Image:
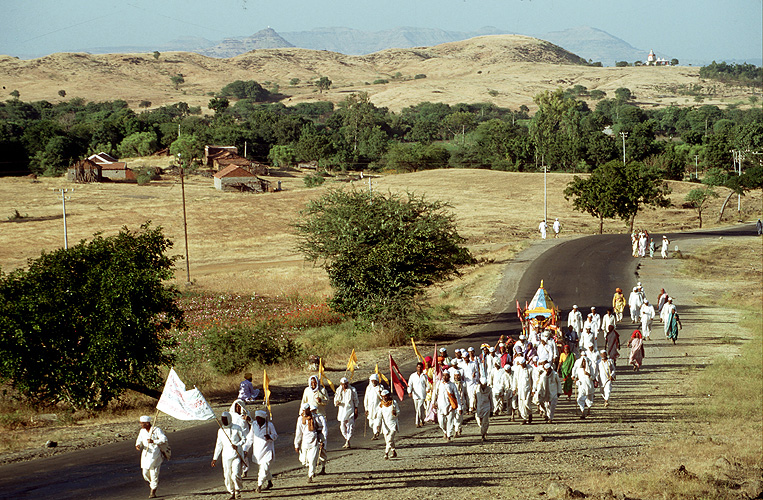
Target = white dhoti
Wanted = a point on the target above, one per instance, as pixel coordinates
(309, 459)
(635, 313)
(550, 407)
(151, 475)
(232, 474)
(458, 422)
(606, 390)
(346, 427)
(389, 440)
(646, 326)
(498, 401)
(523, 404)
(264, 475)
(585, 398)
(484, 422)
(419, 407)
(446, 423)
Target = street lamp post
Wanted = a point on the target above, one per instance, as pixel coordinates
(63, 203)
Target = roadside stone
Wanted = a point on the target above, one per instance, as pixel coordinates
(558, 491)
(51, 444)
(539, 439)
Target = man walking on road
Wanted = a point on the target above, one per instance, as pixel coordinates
(371, 404)
(543, 227)
(148, 444)
(308, 440)
(230, 444)
(389, 411)
(346, 402)
(447, 403)
(557, 227)
(261, 441)
(418, 386)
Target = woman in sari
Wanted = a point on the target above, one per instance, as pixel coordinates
(566, 363)
(637, 350)
(672, 325)
(618, 303)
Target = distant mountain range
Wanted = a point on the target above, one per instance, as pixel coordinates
(589, 43)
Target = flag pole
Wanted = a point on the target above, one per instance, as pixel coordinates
(229, 440)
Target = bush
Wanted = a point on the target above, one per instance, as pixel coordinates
(419, 76)
(233, 349)
(380, 81)
(146, 175)
(314, 180)
(249, 89)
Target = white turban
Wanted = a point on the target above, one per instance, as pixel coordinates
(145, 419)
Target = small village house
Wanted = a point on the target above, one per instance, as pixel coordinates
(235, 178)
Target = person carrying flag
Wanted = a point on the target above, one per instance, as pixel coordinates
(308, 440)
(260, 443)
(448, 404)
(148, 444)
(230, 442)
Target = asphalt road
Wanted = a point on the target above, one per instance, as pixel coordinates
(584, 271)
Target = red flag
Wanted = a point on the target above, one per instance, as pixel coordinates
(519, 312)
(397, 380)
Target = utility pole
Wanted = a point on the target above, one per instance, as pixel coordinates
(623, 135)
(545, 187)
(185, 222)
(696, 160)
(63, 192)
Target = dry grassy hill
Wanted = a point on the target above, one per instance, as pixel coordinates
(507, 70)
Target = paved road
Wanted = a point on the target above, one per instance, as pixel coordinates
(583, 271)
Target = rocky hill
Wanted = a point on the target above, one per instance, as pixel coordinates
(231, 47)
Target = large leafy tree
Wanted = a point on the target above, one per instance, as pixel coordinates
(598, 194)
(380, 251)
(555, 129)
(81, 325)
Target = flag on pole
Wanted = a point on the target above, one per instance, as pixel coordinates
(381, 375)
(181, 404)
(352, 363)
(266, 390)
(437, 367)
(416, 350)
(322, 376)
(398, 381)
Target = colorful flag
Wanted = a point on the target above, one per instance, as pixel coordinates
(266, 390)
(398, 381)
(352, 363)
(381, 375)
(322, 376)
(416, 351)
(437, 367)
(181, 404)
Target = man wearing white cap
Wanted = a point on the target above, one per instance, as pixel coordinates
(595, 321)
(523, 389)
(519, 346)
(664, 247)
(371, 404)
(483, 398)
(548, 388)
(457, 377)
(260, 442)
(308, 440)
(230, 444)
(447, 403)
(489, 363)
(606, 375)
(389, 411)
(347, 403)
(584, 382)
(543, 227)
(442, 357)
(471, 377)
(149, 442)
(588, 339)
(647, 316)
(418, 387)
(635, 302)
(317, 396)
(575, 320)
(501, 386)
(557, 227)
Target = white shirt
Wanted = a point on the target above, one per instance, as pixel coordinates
(472, 373)
(442, 399)
(150, 454)
(371, 400)
(263, 449)
(317, 397)
(575, 320)
(522, 379)
(418, 385)
(346, 401)
(483, 401)
(557, 226)
(228, 446)
(606, 320)
(647, 312)
(605, 370)
(634, 300)
(389, 416)
(304, 439)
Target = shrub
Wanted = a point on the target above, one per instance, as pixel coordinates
(380, 81)
(232, 349)
(146, 175)
(419, 76)
(313, 180)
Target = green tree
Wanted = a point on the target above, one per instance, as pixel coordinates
(599, 193)
(15, 93)
(643, 188)
(138, 144)
(144, 104)
(413, 156)
(294, 82)
(156, 54)
(555, 129)
(460, 122)
(248, 89)
(62, 93)
(177, 80)
(218, 104)
(622, 64)
(623, 94)
(674, 62)
(189, 147)
(82, 325)
(324, 83)
(380, 251)
(698, 197)
(282, 156)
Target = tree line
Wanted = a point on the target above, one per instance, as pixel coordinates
(566, 133)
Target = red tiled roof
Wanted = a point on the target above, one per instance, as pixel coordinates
(233, 171)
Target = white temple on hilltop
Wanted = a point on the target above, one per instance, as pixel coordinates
(653, 60)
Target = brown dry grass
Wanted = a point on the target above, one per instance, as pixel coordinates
(516, 67)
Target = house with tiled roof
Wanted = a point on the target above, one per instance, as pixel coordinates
(235, 178)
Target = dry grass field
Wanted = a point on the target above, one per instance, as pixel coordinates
(243, 243)
(507, 70)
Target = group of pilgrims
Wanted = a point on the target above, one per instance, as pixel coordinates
(512, 378)
(642, 243)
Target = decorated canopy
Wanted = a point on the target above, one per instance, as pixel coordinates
(541, 304)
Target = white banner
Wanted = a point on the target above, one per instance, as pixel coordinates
(181, 404)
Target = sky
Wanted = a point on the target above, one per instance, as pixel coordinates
(698, 29)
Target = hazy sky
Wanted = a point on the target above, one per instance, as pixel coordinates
(698, 29)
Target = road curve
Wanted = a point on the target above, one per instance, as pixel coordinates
(584, 271)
